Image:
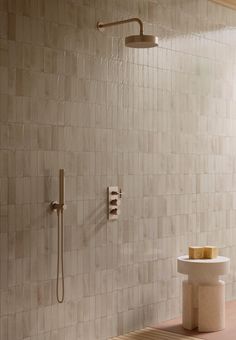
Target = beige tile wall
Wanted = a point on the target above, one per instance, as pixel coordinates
(160, 123)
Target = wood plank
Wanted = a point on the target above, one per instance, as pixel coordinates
(150, 333)
(226, 3)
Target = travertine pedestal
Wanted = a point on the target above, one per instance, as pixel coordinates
(203, 293)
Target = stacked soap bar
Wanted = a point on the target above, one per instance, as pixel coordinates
(207, 252)
(210, 252)
(196, 252)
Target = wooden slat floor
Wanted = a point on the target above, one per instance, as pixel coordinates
(227, 3)
(149, 333)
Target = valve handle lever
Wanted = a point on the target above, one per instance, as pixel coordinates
(117, 193)
(114, 211)
(114, 202)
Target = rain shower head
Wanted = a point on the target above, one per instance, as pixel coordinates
(134, 41)
(141, 41)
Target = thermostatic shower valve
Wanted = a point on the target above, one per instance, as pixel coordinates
(113, 202)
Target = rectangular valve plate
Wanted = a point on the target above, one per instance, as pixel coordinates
(113, 203)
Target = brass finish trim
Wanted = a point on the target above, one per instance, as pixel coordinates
(59, 207)
(101, 26)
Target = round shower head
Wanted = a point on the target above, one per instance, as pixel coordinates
(141, 41)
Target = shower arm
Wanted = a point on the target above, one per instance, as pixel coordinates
(101, 25)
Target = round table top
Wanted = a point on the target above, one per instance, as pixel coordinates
(218, 259)
(217, 266)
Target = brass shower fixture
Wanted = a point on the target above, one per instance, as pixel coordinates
(135, 41)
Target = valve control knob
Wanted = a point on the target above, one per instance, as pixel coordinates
(114, 202)
(114, 211)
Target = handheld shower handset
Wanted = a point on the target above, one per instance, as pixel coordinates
(61, 187)
(55, 205)
(59, 208)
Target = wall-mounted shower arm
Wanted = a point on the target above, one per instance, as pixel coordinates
(101, 25)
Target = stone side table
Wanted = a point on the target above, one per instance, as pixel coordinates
(203, 292)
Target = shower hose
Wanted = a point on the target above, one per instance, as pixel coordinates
(60, 258)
